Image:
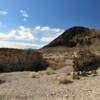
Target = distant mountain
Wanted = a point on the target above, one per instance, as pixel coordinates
(76, 36)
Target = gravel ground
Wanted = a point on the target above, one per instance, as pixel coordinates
(20, 86)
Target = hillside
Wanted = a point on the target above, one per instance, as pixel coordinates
(59, 52)
(76, 36)
(20, 60)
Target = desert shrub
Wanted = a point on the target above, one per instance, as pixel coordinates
(85, 61)
(50, 71)
(40, 64)
(34, 75)
(64, 79)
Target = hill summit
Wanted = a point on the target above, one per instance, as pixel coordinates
(76, 36)
(59, 52)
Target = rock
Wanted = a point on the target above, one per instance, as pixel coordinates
(21, 60)
(85, 61)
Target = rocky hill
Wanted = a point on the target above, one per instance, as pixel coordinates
(76, 36)
(59, 52)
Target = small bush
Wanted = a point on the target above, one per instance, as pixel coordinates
(50, 71)
(85, 60)
(34, 75)
(63, 79)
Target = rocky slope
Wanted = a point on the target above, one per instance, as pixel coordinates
(76, 36)
(20, 60)
(59, 52)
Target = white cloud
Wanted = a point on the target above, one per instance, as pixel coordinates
(3, 12)
(19, 45)
(24, 19)
(37, 27)
(46, 39)
(22, 33)
(25, 37)
(44, 34)
(47, 29)
(8, 36)
(24, 13)
(48, 34)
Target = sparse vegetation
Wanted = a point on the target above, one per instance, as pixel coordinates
(64, 79)
(21, 60)
(34, 75)
(75, 36)
(85, 61)
(50, 71)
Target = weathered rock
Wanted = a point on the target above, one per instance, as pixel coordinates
(20, 60)
(85, 60)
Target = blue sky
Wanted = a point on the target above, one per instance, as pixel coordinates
(34, 23)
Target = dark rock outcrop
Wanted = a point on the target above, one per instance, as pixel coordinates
(21, 60)
(76, 36)
(85, 61)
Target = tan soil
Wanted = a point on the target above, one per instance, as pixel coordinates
(20, 86)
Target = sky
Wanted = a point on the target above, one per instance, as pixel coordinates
(34, 23)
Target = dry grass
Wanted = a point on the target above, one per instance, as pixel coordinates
(34, 75)
(64, 79)
(50, 71)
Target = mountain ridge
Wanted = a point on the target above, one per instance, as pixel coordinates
(74, 36)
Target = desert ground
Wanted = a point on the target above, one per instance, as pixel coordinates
(43, 86)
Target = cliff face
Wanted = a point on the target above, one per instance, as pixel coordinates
(20, 60)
